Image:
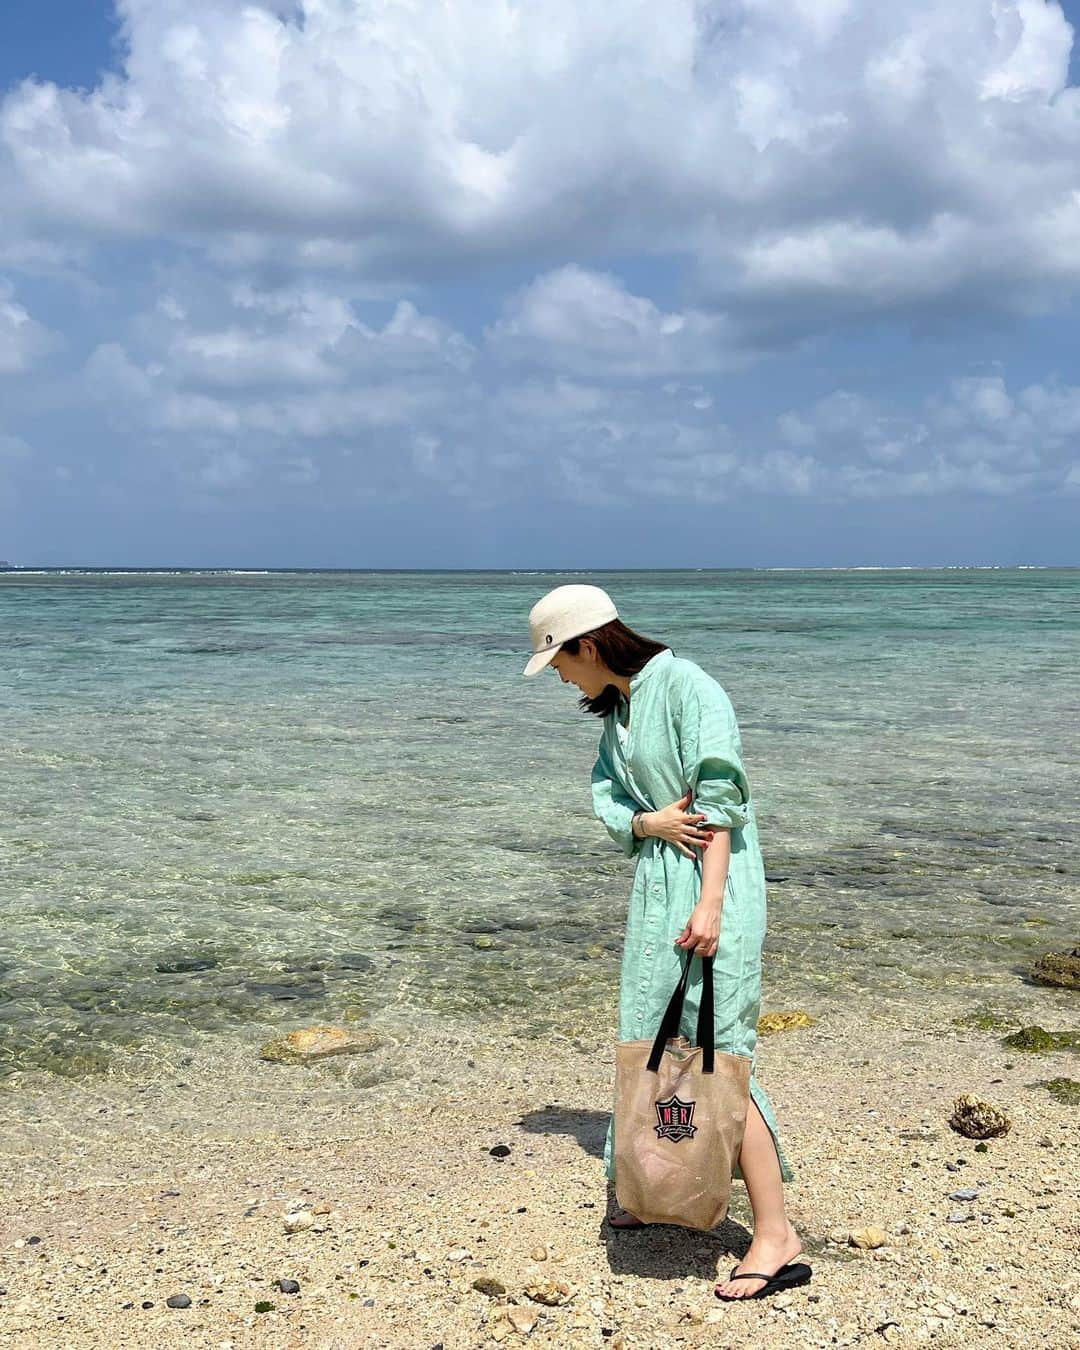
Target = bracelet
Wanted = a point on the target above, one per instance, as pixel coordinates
(633, 824)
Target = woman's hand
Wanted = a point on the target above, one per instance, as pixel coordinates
(678, 826)
(702, 932)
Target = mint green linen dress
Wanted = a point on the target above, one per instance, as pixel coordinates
(682, 734)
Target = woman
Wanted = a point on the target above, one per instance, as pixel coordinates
(668, 727)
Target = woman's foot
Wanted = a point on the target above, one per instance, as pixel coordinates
(622, 1218)
(766, 1254)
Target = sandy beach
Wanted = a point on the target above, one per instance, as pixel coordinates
(120, 1194)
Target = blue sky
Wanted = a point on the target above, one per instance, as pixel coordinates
(568, 285)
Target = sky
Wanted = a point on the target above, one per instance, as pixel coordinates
(563, 284)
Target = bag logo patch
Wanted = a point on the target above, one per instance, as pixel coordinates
(675, 1118)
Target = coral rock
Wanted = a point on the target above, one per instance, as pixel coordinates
(1060, 969)
(551, 1292)
(976, 1119)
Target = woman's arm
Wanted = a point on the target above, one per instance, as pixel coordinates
(711, 763)
(709, 749)
(715, 860)
(702, 931)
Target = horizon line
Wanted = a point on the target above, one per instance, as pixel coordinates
(7, 569)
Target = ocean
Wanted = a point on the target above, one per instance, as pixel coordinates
(237, 803)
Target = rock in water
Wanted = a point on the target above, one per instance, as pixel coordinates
(1064, 1090)
(1060, 969)
(1037, 1039)
(311, 1043)
(976, 1119)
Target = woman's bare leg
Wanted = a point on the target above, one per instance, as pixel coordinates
(775, 1241)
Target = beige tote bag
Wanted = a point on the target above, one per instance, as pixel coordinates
(680, 1114)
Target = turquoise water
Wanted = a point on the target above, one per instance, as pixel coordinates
(236, 804)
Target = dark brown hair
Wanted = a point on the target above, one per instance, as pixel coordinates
(623, 651)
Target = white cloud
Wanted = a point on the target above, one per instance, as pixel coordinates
(973, 436)
(847, 423)
(567, 394)
(589, 322)
(227, 470)
(13, 447)
(280, 363)
(783, 473)
(811, 162)
(110, 374)
(22, 339)
(307, 338)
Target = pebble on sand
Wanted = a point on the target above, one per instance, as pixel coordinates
(783, 1021)
(487, 1285)
(523, 1319)
(551, 1292)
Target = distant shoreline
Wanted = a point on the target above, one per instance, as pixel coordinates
(15, 569)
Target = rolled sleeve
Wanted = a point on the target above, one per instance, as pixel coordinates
(709, 751)
(612, 806)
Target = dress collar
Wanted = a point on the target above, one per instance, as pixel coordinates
(651, 666)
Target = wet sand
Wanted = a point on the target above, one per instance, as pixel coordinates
(177, 1183)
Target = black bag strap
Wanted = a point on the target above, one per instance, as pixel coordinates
(669, 1026)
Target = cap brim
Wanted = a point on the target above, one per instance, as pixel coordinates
(539, 660)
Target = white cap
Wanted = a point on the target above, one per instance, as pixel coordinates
(565, 612)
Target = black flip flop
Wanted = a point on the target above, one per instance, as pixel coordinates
(787, 1277)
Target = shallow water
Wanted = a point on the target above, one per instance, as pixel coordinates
(235, 804)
